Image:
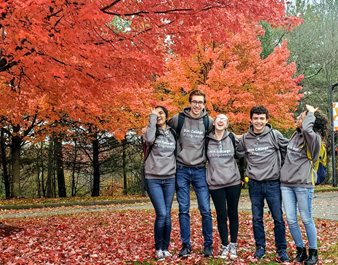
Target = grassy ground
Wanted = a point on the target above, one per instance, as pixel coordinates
(118, 196)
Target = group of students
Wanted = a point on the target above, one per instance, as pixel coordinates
(180, 148)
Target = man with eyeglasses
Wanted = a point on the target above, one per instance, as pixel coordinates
(191, 169)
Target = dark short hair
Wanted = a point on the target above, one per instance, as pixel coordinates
(259, 110)
(197, 92)
(321, 124)
(165, 111)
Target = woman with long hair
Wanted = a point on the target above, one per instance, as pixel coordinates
(298, 178)
(160, 169)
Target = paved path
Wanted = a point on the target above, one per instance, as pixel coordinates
(325, 205)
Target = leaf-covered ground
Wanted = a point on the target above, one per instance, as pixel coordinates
(126, 237)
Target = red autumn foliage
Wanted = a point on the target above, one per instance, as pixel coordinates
(235, 79)
(89, 61)
(67, 59)
(121, 237)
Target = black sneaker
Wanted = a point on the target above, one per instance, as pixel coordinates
(208, 251)
(185, 250)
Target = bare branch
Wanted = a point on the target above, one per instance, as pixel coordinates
(110, 5)
(318, 71)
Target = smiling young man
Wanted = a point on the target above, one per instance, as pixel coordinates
(191, 169)
(263, 170)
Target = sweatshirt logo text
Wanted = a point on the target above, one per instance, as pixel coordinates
(193, 133)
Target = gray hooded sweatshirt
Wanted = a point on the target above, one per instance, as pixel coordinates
(190, 143)
(297, 168)
(161, 162)
(222, 170)
(261, 154)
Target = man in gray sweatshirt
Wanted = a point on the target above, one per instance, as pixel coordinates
(191, 169)
(261, 150)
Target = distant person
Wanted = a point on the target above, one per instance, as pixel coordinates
(296, 180)
(224, 182)
(261, 150)
(191, 169)
(160, 169)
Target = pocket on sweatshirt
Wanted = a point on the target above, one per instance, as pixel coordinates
(303, 175)
(191, 156)
(296, 174)
(222, 176)
(163, 166)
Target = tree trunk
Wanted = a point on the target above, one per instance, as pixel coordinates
(59, 167)
(4, 166)
(42, 173)
(96, 167)
(39, 171)
(143, 182)
(74, 170)
(124, 165)
(16, 148)
(50, 169)
(38, 183)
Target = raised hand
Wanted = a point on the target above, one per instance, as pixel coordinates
(310, 108)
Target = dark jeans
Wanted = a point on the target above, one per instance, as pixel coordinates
(270, 191)
(161, 193)
(197, 177)
(226, 205)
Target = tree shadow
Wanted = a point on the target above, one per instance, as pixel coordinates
(7, 230)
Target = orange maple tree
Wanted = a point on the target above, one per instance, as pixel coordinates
(235, 79)
(89, 60)
(68, 57)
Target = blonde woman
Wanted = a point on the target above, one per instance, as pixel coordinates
(224, 182)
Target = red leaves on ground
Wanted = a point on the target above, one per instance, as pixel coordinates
(120, 237)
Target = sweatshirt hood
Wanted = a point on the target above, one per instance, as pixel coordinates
(186, 112)
(267, 129)
(211, 135)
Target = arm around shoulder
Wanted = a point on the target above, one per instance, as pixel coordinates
(240, 148)
(173, 122)
(282, 141)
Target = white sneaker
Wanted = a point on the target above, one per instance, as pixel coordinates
(167, 254)
(225, 252)
(233, 251)
(159, 255)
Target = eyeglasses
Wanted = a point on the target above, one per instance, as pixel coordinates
(194, 102)
(221, 119)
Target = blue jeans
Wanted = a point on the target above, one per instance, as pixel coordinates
(270, 191)
(303, 197)
(197, 177)
(161, 193)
